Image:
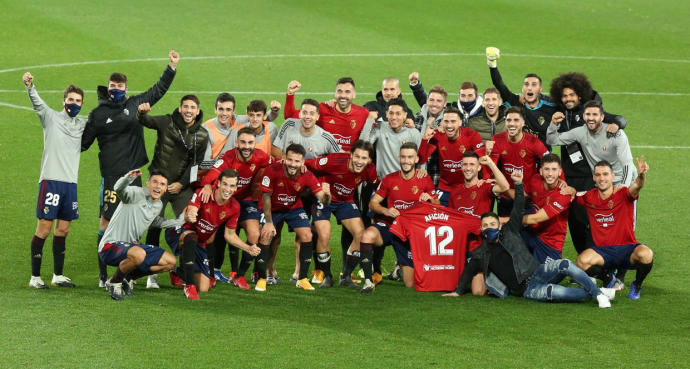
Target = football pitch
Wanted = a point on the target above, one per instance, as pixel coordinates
(636, 54)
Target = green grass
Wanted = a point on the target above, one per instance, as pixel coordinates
(395, 327)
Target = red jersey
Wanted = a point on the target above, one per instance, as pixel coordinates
(438, 240)
(450, 154)
(613, 219)
(523, 155)
(334, 169)
(402, 193)
(286, 191)
(345, 127)
(557, 206)
(211, 215)
(474, 200)
(247, 171)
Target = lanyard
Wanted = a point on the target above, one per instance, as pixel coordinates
(190, 150)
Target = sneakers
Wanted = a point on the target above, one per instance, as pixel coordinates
(255, 277)
(603, 301)
(611, 282)
(37, 282)
(272, 280)
(231, 276)
(619, 285)
(608, 292)
(62, 281)
(327, 282)
(101, 283)
(634, 291)
(241, 283)
(294, 278)
(128, 288)
(152, 281)
(260, 285)
(304, 284)
(220, 277)
(318, 276)
(368, 287)
(115, 291)
(175, 280)
(376, 278)
(395, 274)
(190, 292)
(347, 282)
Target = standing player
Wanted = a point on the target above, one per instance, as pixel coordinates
(265, 131)
(390, 89)
(401, 190)
(515, 150)
(202, 220)
(451, 144)
(282, 185)
(343, 172)
(548, 221)
(120, 137)
(304, 131)
(250, 164)
(57, 194)
(611, 211)
(139, 208)
(220, 127)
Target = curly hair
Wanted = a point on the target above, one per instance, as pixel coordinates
(578, 82)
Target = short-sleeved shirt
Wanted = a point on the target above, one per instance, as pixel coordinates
(611, 220)
(345, 127)
(285, 192)
(211, 215)
(246, 170)
(334, 169)
(450, 155)
(473, 200)
(401, 193)
(556, 205)
(523, 155)
(319, 143)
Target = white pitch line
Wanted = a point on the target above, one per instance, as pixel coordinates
(342, 55)
(632, 93)
(16, 106)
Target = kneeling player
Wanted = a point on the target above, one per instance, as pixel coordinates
(201, 222)
(282, 185)
(401, 189)
(138, 209)
(611, 212)
(343, 172)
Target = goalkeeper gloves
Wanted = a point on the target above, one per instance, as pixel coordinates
(492, 55)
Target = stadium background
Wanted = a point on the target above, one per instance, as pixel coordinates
(636, 53)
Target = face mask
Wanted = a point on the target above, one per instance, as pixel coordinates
(490, 234)
(116, 95)
(468, 105)
(72, 109)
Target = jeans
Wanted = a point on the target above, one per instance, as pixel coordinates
(543, 283)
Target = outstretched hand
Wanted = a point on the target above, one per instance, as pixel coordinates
(642, 166)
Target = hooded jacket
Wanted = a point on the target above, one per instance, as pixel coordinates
(381, 106)
(171, 154)
(483, 125)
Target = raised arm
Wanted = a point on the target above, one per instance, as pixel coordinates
(37, 103)
(642, 169)
(158, 90)
(553, 137)
(122, 188)
(417, 89)
(290, 111)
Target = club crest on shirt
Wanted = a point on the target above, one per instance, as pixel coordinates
(297, 186)
(395, 188)
(252, 167)
(353, 124)
(222, 215)
(281, 184)
(541, 121)
(415, 189)
(47, 210)
(331, 121)
(459, 197)
(603, 148)
(504, 152)
(534, 194)
(340, 176)
(473, 195)
(443, 148)
(523, 153)
(462, 149)
(611, 203)
(358, 180)
(208, 210)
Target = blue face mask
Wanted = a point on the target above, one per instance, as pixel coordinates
(72, 109)
(468, 105)
(116, 95)
(490, 234)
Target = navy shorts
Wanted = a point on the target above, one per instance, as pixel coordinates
(249, 210)
(341, 210)
(616, 256)
(109, 200)
(443, 196)
(403, 253)
(295, 218)
(114, 252)
(172, 237)
(384, 230)
(541, 251)
(57, 200)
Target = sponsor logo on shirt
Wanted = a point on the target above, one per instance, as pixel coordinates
(244, 181)
(468, 210)
(402, 205)
(556, 204)
(428, 267)
(452, 164)
(342, 189)
(205, 225)
(509, 168)
(285, 199)
(605, 220)
(342, 140)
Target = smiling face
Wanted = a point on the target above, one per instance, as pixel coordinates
(514, 124)
(570, 99)
(408, 159)
(470, 168)
(256, 119)
(531, 88)
(189, 110)
(226, 187)
(293, 163)
(308, 115)
(396, 116)
(224, 111)
(157, 185)
(344, 94)
(436, 103)
(603, 177)
(246, 143)
(390, 90)
(593, 117)
(491, 103)
(451, 125)
(359, 159)
(550, 171)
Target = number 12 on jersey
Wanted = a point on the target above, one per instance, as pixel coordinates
(439, 248)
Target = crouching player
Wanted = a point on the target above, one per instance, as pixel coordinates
(343, 172)
(282, 185)
(138, 209)
(202, 219)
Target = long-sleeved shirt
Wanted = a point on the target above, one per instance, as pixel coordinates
(598, 146)
(135, 213)
(388, 144)
(61, 141)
